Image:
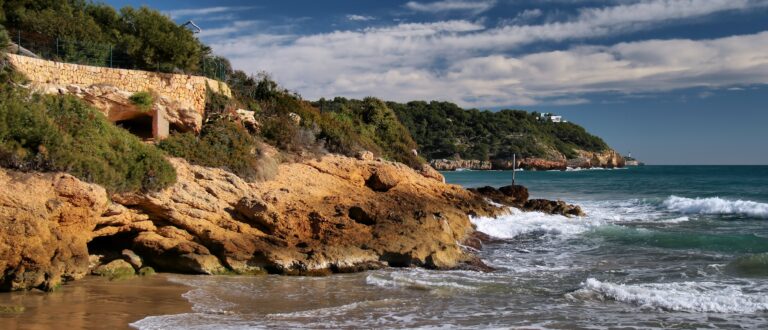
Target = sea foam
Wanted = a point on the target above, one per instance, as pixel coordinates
(519, 223)
(680, 296)
(716, 205)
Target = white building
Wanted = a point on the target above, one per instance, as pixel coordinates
(552, 118)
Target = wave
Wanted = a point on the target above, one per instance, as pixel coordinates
(749, 266)
(681, 296)
(738, 243)
(519, 223)
(716, 205)
(419, 279)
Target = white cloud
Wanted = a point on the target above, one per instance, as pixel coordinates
(360, 18)
(235, 27)
(200, 12)
(451, 5)
(465, 62)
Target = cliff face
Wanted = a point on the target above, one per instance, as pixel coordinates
(452, 165)
(586, 159)
(336, 214)
(45, 225)
(607, 159)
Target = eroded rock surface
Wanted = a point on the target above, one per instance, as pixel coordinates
(45, 224)
(336, 214)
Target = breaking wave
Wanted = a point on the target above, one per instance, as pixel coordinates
(519, 223)
(716, 205)
(681, 296)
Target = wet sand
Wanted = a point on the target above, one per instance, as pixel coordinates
(95, 303)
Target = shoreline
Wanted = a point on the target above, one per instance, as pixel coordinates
(95, 303)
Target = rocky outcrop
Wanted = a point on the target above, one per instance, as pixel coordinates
(45, 225)
(557, 162)
(539, 164)
(452, 165)
(517, 196)
(605, 159)
(335, 214)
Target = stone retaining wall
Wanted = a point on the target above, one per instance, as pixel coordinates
(185, 89)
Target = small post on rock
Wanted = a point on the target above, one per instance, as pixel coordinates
(514, 167)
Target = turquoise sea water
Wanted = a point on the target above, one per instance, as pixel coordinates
(661, 247)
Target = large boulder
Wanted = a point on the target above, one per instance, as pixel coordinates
(115, 269)
(46, 221)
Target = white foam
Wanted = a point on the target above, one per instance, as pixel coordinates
(632, 210)
(678, 296)
(519, 223)
(677, 220)
(416, 279)
(337, 310)
(716, 205)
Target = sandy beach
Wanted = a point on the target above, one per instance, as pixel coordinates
(94, 303)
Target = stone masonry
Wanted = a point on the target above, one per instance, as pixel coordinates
(184, 91)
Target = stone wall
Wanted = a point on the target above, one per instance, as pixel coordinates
(185, 89)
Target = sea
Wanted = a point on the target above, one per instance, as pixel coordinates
(683, 247)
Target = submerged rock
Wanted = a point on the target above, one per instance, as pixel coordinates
(116, 269)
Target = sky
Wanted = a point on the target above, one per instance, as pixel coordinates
(671, 81)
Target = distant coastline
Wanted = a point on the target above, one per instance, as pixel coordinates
(586, 160)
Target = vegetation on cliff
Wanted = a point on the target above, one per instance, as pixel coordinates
(142, 38)
(339, 126)
(47, 133)
(295, 126)
(223, 143)
(444, 130)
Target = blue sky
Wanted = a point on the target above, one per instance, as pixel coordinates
(672, 81)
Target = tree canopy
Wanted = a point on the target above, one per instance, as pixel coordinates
(144, 38)
(444, 130)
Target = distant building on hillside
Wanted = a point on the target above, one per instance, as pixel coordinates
(631, 161)
(553, 118)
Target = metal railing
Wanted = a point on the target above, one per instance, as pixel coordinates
(74, 51)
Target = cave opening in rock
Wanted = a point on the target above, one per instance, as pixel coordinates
(140, 126)
(111, 245)
(175, 128)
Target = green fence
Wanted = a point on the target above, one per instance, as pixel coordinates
(105, 55)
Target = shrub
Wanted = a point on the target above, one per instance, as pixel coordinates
(224, 144)
(5, 41)
(49, 133)
(143, 100)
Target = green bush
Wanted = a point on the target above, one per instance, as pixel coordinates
(5, 41)
(143, 100)
(92, 33)
(223, 144)
(49, 133)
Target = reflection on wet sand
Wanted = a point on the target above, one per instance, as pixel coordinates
(94, 303)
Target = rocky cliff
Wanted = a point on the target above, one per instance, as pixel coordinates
(585, 159)
(452, 165)
(335, 214)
